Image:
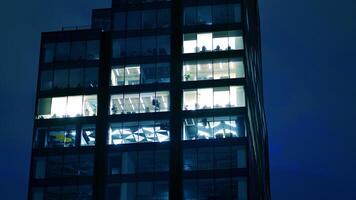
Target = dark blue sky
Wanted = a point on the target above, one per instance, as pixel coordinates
(309, 68)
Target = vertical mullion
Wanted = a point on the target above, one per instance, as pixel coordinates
(175, 184)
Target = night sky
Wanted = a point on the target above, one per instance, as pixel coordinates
(308, 49)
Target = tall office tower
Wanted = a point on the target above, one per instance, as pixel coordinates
(158, 99)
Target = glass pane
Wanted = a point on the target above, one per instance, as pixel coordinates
(54, 166)
(204, 42)
(60, 79)
(93, 50)
(119, 21)
(220, 14)
(234, 13)
(132, 103)
(190, 16)
(62, 51)
(133, 20)
(74, 106)
(77, 50)
(129, 162)
(190, 71)
(222, 97)
(148, 102)
(146, 161)
(190, 100)
(44, 107)
(163, 73)
(48, 53)
(133, 46)
(148, 73)
(58, 108)
(132, 75)
(149, 46)
(204, 128)
(46, 80)
(237, 96)
(204, 15)
(164, 17)
(117, 76)
(190, 43)
(88, 135)
(237, 69)
(86, 165)
(70, 137)
(128, 191)
(91, 77)
(205, 70)
(76, 78)
(39, 166)
(164, 45)
(118, 48)
(221, 69)
(149, 19)
(205, 98)
(190, 160)
(70, 166)
(161, 103)
(90, 105)
(55, 138)
(117, 104)
(221, 41)
(235, 40)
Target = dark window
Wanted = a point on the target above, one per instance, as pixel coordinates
(91, 77)
(93, 50)
(46, 80)
(76, 78)
(190, 16)
(148, 73)
(234, 13)
(149, 19)
(48, 53)
(164, 45)
(129, 162)
(133, 20)
(119, 48)
(62, 51)
(60, 79)
(205, 158)
(163, 74)
(149, 46)
(119, 21)
(133, 46)
(77, 50)
(146, 161)
(220, 14)
(54, 166)
(86, 165)
(204, 15)
(70, 165)
(164, 18)
(44, 106)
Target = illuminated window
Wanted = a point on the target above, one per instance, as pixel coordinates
(138, 132)
(213, 127)
(218, 97)
(216, 41)
(72, 106)
(87, 135)
(144, 102)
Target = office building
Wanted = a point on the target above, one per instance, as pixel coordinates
(158, 99)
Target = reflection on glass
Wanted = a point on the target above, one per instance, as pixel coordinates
(138, 132)
(87, 135)
(213, 127)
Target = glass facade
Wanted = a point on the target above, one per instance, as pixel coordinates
(113, 99)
